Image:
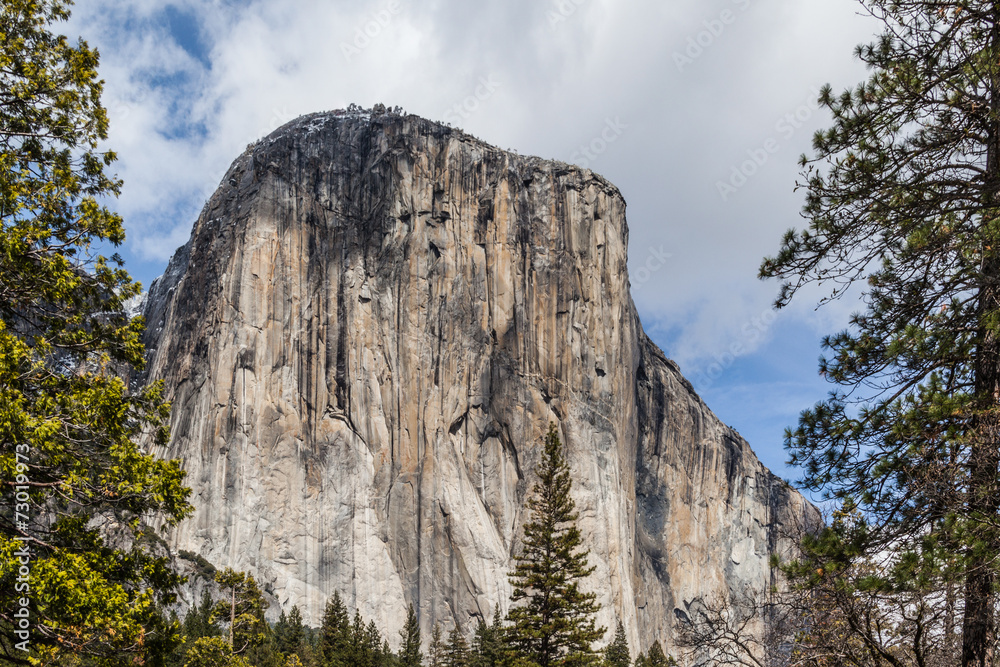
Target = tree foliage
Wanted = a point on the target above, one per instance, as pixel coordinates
(655, 657)
(409, 650)
(616, 654)
(289, 632)
(335, 633)
(489, 646)
(902, 199)
(78, 489)
(456, 653)
(240, 609)
(213, 652)
(357, 644)
(435, 650)
(553, 620)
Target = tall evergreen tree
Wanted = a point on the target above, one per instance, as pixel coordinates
(335, 634)
(359, 642)
(616, 654)
(489, 647)
(281, 628)
(386, 657)
(289, 631)
(435, 651)
(72, 468)
(552, 622)
(409, 650)
(199, 622)
(655, 657)
(903, 201)
(456, 654)
(372, 651)
(241, 608)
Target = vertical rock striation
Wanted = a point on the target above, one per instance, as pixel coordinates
(364, 341)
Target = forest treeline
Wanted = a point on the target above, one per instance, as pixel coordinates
(343, 640)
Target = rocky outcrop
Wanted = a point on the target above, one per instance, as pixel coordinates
(365, 339)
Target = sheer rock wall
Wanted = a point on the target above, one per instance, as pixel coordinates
(364, 341)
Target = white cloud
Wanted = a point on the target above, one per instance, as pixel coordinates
(177, 124)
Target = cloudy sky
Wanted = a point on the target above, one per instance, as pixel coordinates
(696, 109)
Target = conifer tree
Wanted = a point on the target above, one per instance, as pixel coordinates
(616, 654)
(435, 651)
(308, 651)
(552, 622)
(409, 650)
(655, 657)
(289, 631)
(280, 630)
(241, 608)
(903, 202)
(386, 657)
(213, 652)
(199, 622)
(360, 656)
(489, 647)
(335, 634)
(373, 646)
(456, 654)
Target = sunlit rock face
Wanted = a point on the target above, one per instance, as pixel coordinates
(364, 341)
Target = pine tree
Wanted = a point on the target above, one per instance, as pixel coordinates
(616, 653)
(435, 652)
(72, 465)
(655, 657)
(456, 654)
(903, 202)
(265, 653)
(553, 620)
(386, 657)
(335, 634)
(309, 649)
(245, 638)
(213, 652)
(489, 647)
(372, 651)
(289, 631)
(241, 608)
(409, 650)
(365, 642)
(199, 622)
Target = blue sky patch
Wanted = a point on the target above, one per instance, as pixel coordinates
(185, 28)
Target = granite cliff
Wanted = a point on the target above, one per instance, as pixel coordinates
(373, 324)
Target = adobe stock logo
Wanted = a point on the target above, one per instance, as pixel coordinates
(655, 260)
(750, 334)
(785, 127)
(698, 43)
(561, 10)
(586, 154)
(468, 106)
(371, 29)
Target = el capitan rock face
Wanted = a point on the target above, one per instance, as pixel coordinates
(364, 341)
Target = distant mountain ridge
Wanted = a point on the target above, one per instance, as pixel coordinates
(364, 341)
